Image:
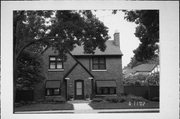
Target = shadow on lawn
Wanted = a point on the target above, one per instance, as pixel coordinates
(45, 107)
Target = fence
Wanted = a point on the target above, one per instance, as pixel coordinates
(147, 92)
(24, 95)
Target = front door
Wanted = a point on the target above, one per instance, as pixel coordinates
(79, 89)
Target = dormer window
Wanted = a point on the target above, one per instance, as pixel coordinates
(99, 63)
(55, 62)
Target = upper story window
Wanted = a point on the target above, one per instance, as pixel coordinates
(55, 62)
(99, 63)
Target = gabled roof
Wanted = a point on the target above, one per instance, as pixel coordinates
(144, 67)
(77, 62)
(111, 49)
(140, 68)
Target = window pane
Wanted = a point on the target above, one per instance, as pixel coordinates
(59, 65)
(98, 90)
(56, 91)
(105, 90)
(79, 85)
(102, 66)
(52, 65)
(112, 91)
(95, 67)
(78, 91)
(95, 60)
(52, 58)
(101, 60)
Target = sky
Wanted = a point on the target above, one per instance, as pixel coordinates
(117, 23)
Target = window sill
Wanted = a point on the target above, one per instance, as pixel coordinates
(100, 70)
(55, 70)
(53, 96)
(106, 95)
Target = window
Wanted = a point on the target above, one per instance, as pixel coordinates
(105, 90)
(55, 62)
(98, 63)
(105, 87)
(52, 91)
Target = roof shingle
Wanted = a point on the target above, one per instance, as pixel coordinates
(111, 49)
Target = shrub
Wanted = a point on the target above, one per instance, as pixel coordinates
(59, 100)
(135, 98)
(97, 100)
(122, 99)
(112, 99)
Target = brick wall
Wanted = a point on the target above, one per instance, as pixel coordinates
(114, 72)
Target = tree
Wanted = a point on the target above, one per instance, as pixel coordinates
(28, 70)
(147, 31)
(62, 30)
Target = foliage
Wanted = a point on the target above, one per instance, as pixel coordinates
(63, 30)
(153, 80)
(111, 99)
(97, 100)
(136, 80)
(142, 80)
(147, 31)
(28, 70)
(133, 98)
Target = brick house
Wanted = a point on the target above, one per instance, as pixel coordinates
(82, 75)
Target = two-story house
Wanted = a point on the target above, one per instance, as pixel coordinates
(82, 75)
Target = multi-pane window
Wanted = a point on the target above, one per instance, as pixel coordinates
(98, 63)
(52, 91)
(55, 62)
(106, 87)
(105, 90)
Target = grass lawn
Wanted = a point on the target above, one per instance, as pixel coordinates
(124, 105)
(45, 107)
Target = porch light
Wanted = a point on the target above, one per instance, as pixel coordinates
(67, 78)
(90, 78)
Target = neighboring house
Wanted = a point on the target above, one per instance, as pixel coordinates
(146, 69)
(141, 74)
(82, 75)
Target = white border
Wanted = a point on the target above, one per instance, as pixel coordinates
(169, 55)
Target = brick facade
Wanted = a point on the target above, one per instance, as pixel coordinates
(79, 68)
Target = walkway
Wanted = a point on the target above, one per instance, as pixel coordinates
(81, 106)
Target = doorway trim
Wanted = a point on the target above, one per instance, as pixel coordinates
(78, 97)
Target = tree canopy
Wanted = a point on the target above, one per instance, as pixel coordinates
(64, 30)
(147, 31)
(29, 70)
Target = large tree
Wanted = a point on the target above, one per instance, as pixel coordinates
(29, 70)
(147, 31)
(36, 31)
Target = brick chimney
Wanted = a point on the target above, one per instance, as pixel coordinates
(116, 39)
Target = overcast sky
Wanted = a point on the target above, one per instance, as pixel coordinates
(117, 23)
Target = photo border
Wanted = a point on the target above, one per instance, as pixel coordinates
(169, 55)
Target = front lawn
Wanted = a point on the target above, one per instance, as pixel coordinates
(45, 107)
(124, 105)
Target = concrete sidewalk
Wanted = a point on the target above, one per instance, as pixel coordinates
(91, 111)
(83, 108)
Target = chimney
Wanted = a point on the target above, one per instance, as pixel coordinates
(116, 39)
